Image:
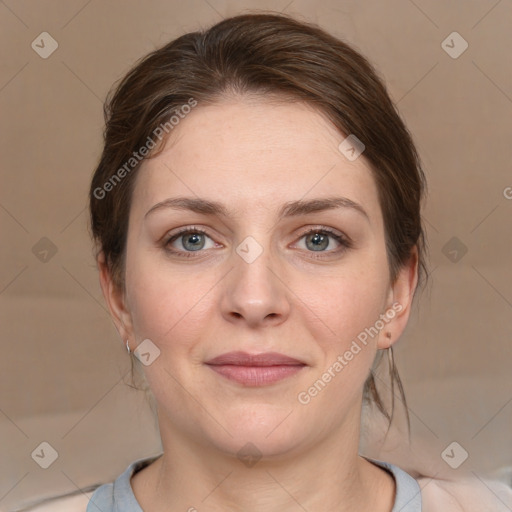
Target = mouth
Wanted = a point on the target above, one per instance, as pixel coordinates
(255, 370)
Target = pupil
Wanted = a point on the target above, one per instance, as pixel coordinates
(195, 239)
(317, 240)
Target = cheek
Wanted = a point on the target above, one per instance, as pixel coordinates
(347, 334)
(346, 303)
(169, 305)
(345, 342)
(166, 308)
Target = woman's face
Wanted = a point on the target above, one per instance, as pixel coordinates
(265, 276)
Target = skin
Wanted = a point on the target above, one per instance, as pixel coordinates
(254, 155)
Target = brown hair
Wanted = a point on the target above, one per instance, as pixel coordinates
(260, 54)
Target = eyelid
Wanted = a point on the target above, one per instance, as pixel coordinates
(328, 230)
(342, 239)
(172, 236)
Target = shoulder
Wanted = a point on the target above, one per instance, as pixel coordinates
(407, 493)
(467, 494)
(75, 503)
(104, 497)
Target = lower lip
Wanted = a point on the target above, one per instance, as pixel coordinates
(256, 375)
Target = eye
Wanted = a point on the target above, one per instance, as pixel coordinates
(193, 240)
(190, 239)
(319, 240)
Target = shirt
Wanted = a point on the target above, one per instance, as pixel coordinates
(118, 496)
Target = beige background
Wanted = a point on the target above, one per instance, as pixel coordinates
(63, 369)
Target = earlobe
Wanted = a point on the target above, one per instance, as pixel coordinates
(400, 301)
(115, 299)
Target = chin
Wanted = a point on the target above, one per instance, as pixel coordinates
(248, 446)
(266, 432)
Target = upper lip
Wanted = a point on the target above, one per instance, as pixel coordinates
(245, 359)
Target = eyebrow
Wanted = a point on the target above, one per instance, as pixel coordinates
(289, 209)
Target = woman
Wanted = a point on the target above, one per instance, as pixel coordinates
(256, 211)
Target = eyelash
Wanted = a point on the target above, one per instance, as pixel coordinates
(344, 241)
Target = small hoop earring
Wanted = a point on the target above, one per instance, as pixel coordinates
(128, 346)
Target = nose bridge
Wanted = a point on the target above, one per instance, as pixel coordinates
(254, 290)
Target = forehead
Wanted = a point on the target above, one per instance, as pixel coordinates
(251, 152)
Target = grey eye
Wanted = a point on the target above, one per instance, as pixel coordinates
(317, 241)
(193, 241)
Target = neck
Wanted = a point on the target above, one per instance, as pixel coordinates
(225, 483)
(328, 476)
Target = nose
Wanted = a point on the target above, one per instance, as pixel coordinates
(254, 293)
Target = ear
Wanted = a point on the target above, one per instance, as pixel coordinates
(115, 299)
(399, 302)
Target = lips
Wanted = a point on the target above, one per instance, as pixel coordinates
(255, 370)
(244, 359)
